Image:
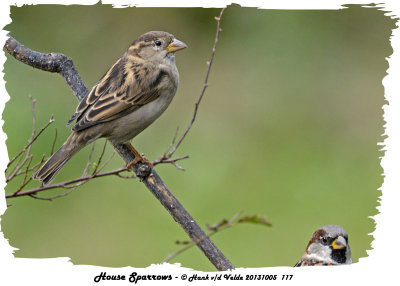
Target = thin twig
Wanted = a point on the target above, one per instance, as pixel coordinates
(164, 157)
(126, 177)
(54, 142)
(172, 161)
(172, 142)
(220, 226)
(15, 171)
(33, 101)
(107, 161)
(66, 184)
(192, 243)
(34, 167)
(27, 169)
(52, 197)
(19, 165)
(17, 168)
(24, 182)
(27, 147)
(100, 157)
(89, 160)
(31, 141)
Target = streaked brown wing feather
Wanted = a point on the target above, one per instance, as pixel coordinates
(121, 91)
(103, 87)
(311, 262)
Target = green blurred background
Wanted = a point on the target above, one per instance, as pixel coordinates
(288, 129)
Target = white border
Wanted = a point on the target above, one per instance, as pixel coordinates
(382, 263)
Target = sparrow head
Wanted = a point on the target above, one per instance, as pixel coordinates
(155, 46)
(329, 244)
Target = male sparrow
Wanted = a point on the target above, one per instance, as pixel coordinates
(133, 93)
(328, 246)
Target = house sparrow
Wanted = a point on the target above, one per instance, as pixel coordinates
(328, 246)
(133, 93)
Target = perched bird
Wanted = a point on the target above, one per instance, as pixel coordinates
(133, 93)
(328, 246)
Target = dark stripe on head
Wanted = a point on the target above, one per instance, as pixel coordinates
(151, 36)
(143, 45)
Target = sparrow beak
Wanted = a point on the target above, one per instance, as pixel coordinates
(339, 243)
(175, 46)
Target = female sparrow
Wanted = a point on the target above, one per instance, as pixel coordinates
(133, 93)
(328, 246)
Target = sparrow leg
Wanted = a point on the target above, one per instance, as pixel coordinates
(138, 158)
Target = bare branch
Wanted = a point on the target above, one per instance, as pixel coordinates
(224, 224)
(28, 155)
(163, 160)
(51, 62)
(220, 226)
(25, 182)
(17, 168)
(66, 184)
(52, 197)
(34, 167)
(31, 141)
(126, 177)
(15, 171)
(27, 170)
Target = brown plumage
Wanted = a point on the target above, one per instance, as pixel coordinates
(129, 97)
(312, 262)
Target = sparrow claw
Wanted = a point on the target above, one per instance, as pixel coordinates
(141, 159)
(134, 162)
(138, 158)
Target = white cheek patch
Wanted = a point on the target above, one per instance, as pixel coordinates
(320, 253)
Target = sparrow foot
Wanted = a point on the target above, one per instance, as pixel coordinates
(138, 158)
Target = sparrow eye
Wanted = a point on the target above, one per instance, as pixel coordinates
(157, 43)
(325, 240)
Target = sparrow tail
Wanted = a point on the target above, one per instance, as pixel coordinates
(55, 163)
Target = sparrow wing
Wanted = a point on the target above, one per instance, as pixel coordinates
(311, 262)
(124, 88)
